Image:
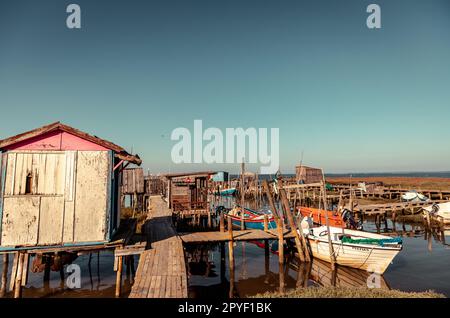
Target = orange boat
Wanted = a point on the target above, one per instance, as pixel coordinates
(318, 216)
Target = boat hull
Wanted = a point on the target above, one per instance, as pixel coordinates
(368, 257)
(253, 224)
(227, 192)
(318, 217)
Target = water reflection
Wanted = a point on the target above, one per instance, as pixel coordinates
(97, 279)
(258, 271)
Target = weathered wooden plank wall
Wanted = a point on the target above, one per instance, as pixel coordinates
(133, 181)
(55, 197)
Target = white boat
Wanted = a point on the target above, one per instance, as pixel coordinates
(441, 211)
(413, 196)
(363, 250)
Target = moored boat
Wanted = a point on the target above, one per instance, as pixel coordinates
(341, 219)
(440, 211)
(227, 192)
(252, 219)
(318, 216)
(363, 250)
(414, 196)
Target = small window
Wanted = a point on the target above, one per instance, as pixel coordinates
(29, 183)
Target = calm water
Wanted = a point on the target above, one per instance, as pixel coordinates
(420, 266)
(97, 279)
(415, 268)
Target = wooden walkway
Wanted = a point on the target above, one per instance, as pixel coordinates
(391, 207)
(244, 235)
(161, 272)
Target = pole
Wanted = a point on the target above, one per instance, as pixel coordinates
(327, 222)
(4, 275)
(302, 252)
(242, 194)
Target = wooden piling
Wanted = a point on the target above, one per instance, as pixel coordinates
(330, 244)
(266, 223)
(222, 262)
(26, 260)
(221, 223)
(242, 195)
(18, 279)
(119, 276)
(230, 245)
(300, 241)
(281, 277)
(270, 199)
(4, 275)
(12, 280)
(280, 241)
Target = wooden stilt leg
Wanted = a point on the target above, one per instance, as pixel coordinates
(4, 275)
(18, 283)
(119, 276)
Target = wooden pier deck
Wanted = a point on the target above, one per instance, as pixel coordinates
(238, 235)
(373, 209)
(161, 271)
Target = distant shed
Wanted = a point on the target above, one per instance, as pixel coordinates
(59, 186)
(188, 191)
(305, 174)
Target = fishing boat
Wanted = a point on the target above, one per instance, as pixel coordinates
(440, 211)
(318, 216)
(252, 219)
(341, 219)
(362, 250)
(414, 196)
(227, 192)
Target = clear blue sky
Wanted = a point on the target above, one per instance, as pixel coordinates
(351, 98)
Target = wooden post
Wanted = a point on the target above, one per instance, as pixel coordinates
(26, 260)
(222, 262)
(302, 251)
(209, 218)
(47, 261)
(18, 282)
(327, 222)
(4, 275)
(119, 276)
(270, 199)
(280, 241)
(281, 277)
(266, 261)
(221, 223)
(242, 195)
(230, 245)
(266, 223)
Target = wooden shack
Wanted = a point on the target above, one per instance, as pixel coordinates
(59, 186)
(188, 191)
(306, 175)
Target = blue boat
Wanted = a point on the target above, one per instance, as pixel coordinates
(252, 219)
(227, 192)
